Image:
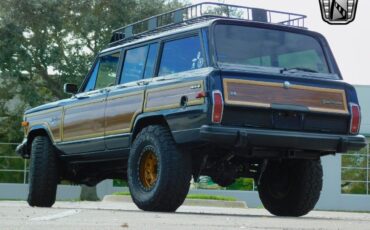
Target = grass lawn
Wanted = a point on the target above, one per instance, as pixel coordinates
(193, 196)
(122, 193)
(210, 197)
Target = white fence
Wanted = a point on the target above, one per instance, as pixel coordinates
(24, 171)
(356, 172)
(7, 169)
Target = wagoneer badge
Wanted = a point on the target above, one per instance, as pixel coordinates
(331, 102)
(198, 86)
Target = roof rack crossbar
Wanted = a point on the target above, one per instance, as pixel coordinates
(201, 12)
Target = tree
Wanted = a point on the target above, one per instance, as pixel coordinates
(51, 42)
(46, 43)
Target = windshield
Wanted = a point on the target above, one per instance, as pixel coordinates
(269, 48)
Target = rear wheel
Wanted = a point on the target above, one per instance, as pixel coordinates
(291, 187)
(43, 175)
(158, 173)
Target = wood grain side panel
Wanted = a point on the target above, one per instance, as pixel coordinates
(84, 121)
(121, 112)
(52, 120)
(169, 97)
(254, 93)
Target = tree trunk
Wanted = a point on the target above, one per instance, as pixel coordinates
(88, 193)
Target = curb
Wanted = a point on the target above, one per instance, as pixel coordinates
(187, 202)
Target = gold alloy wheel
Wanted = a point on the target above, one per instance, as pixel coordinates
(148, 169)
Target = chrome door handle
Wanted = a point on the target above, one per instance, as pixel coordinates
(82, 97)
(104, 91)
(121, 86)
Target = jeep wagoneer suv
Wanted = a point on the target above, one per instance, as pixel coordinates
(210, 89)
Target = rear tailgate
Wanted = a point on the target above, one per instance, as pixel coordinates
(287, 103)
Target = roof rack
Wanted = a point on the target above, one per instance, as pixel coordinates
(202, 12)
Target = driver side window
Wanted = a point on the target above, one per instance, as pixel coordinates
(91, 83)
(104, 73)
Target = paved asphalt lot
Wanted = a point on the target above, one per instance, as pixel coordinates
(109, 215)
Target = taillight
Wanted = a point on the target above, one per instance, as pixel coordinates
(218, 106)
(355, 119)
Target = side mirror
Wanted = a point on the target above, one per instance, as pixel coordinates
(70, 88)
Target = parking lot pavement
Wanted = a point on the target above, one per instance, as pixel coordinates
(111, 215)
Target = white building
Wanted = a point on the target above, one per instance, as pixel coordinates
(363, 92)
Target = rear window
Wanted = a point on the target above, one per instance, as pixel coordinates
(181, 55)
(244, 45)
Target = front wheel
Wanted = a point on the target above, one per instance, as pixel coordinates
(291, 187)
(158, 172)
(43, 175)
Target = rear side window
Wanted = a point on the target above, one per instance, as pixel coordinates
(107, 71)
(181, 55)
(134, 63)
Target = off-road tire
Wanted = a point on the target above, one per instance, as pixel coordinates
(291, 187)
(173, 171)
(43, 175)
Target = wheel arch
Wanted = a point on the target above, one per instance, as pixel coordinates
(37, 130)
(145, 120)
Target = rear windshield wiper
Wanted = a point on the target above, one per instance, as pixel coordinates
(297, 69)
